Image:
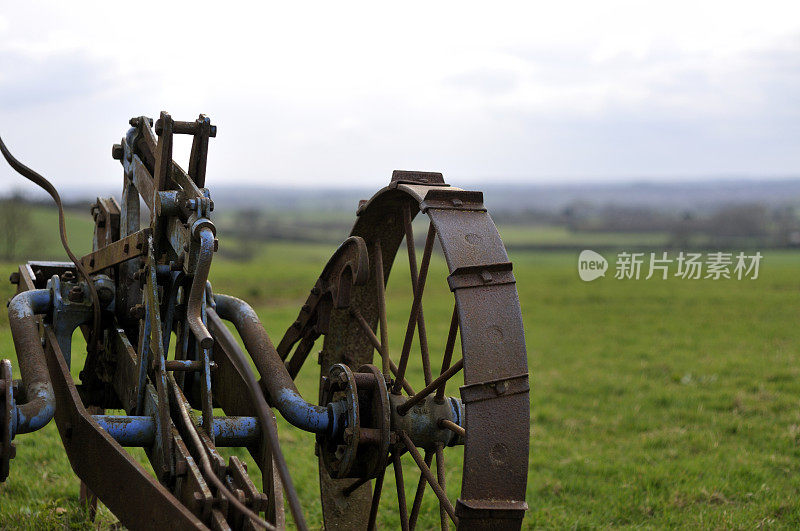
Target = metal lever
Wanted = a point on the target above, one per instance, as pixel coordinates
(198, 291)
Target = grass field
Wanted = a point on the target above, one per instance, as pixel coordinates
(654, 403)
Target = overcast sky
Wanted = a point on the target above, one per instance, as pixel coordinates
(342, 93)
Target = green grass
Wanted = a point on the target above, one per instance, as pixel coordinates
(654, 403)
(552, 235)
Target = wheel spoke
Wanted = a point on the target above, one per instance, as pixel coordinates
(448, 350)
(406, 386)
(452, 426)
(419, 397)
(377, 344)
(401, 490)
(412, 265)
(412, 520)
(376, 499)
(380, 279)
(440, 475)
(415, 306)
(426, 472)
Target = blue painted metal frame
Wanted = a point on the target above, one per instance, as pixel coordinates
(140, 430)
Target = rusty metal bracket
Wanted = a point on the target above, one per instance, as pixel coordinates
(428, 178)
(452, 200)
(481, 275)
(494, 510)
(117, 252)
(490, 389)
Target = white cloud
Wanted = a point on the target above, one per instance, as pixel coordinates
(344, 93)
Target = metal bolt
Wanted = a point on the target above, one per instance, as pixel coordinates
(14, 278)
(75, 294)
(190, 204)
(68, 276)
(486, 277)
(117, 152)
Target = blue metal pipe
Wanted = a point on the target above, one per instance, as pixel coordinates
(236, 431)
(139, 431)
(275, 379)
(41, 403)
(128, 430)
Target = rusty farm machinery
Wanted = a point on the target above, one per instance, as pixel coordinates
(159, 351)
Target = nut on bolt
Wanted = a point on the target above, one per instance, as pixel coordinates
(117, 152)
(75, 294)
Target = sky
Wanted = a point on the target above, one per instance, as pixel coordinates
(339, 94)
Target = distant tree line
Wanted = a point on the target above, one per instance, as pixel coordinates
(754, 223)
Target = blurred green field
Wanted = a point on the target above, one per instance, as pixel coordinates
(654, 403)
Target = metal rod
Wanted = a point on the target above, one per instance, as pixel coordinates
(377, 344)
(415, 308)
(379, 279)
(347, 491)
(412, 265)
(417, 398)
(426, 472)
(128, 430)
(401, 490)
(205, 390)
(448, 350)
(139, 431)
(376, 500)
(442, 477)
(412, 520)
(406, 386)
(186, 365)
(452, 426)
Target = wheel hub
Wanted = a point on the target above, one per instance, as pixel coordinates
(368, 422)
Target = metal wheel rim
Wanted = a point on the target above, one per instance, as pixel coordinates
(495, 370)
